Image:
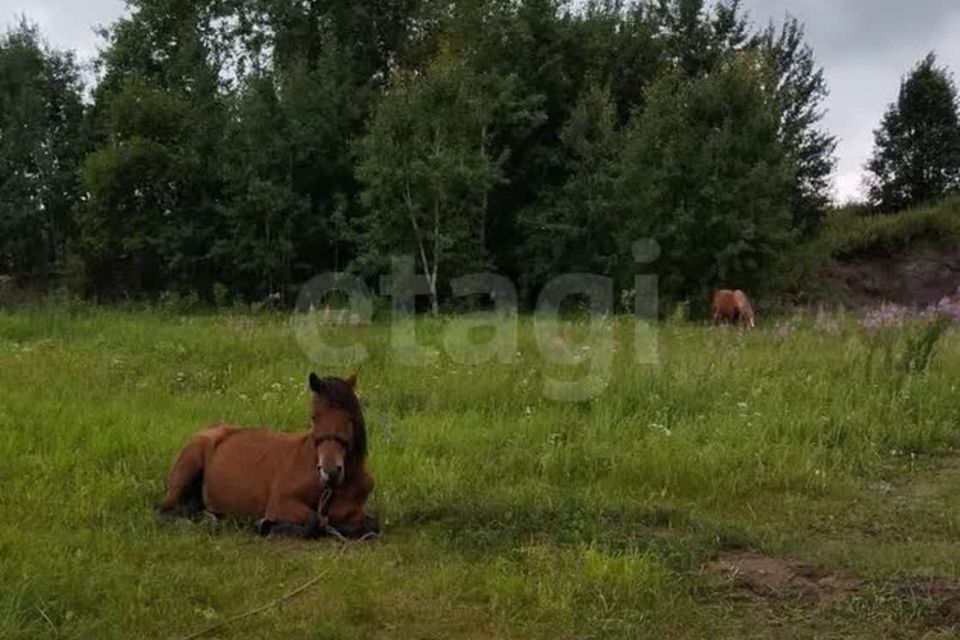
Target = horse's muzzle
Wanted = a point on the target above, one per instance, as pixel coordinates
(332, 477)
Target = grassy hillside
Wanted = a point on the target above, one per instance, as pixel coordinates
(507, 515)
(848, 236)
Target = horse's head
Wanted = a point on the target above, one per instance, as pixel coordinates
(337, 427)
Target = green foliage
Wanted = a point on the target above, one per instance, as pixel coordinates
(847, 234)
(917, 154)
(41, 140)
(699, 36)
(291, 204)
(135, 225)
(235, 142)
(704, 174)
(801, 92)
(573, 229)
(150, 218)
(428, 170)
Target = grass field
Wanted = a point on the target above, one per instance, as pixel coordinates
(506, 515)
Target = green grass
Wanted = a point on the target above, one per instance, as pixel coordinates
(506, 515)
(848, 235)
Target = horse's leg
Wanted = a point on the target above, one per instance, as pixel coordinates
(719, 317)
(290, 518)
(184, 495)
(346, 513)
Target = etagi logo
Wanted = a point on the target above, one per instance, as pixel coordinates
(314, 317)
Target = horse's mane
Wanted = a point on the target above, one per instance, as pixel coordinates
(340, 394)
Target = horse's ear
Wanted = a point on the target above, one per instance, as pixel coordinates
(316, 384)
(351, 380)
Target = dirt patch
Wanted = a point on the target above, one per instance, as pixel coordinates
(772, 577)
(776, 577)
(916, 278)
(942, 595)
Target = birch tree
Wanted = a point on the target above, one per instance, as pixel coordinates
(427, 169)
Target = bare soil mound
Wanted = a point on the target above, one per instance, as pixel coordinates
(918, 277)
(769, 576)
(765, 576)
(942, 594)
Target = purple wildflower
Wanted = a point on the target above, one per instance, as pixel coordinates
(826, 323)
(886, 316)
(950, 307)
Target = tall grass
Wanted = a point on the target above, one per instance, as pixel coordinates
(506, 514)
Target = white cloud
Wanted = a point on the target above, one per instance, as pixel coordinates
(865, 47)
(67, 24)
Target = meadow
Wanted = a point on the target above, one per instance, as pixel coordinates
(505, 514)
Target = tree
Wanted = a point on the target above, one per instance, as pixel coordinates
(372, 32)
(487, 35)
(917, 150)
(41, 140)
(261, 208)
(150, 217)
(427, 170)
(289, 174)
(307, 77)
(697, 37)
(250, 178)
(634, 52)
(573, 229)
(258, 142)
(132, 228)
(704, 174)
(801, 91)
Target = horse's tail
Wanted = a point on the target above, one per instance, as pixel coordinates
(185, 484)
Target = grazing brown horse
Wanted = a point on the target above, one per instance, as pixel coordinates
(292, 484)
(732, 307)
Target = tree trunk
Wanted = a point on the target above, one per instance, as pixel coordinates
(434, 299)
(430, 274)
(432, 277)
(486, 194)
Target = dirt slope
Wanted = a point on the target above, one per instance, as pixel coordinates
(917, 277)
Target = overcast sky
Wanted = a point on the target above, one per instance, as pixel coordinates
(865, 46)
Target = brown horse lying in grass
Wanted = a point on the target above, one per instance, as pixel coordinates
(292, 484)
(732, 307)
